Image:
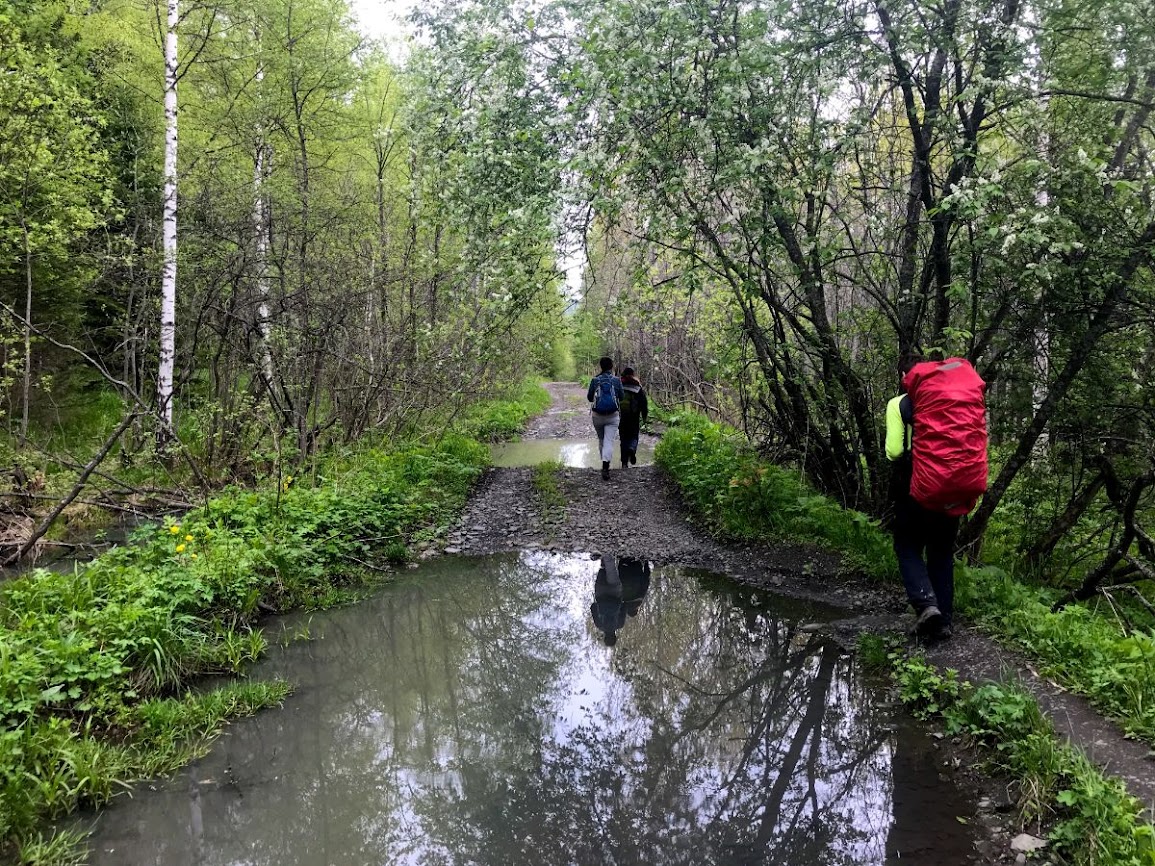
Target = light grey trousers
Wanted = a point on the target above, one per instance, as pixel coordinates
(607, 429)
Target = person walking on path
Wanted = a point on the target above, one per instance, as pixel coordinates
(936, 438)
(605, 393)
(635, 409)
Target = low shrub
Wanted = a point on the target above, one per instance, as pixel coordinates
(1093, 819)
(742, 496)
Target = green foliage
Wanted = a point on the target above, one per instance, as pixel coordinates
(96, 650)
(743, 496)
(1094, 821)
(1081, 649)
(496, 420)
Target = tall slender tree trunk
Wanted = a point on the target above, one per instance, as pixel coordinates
(164, 377)
(261, 229)
(27, 334)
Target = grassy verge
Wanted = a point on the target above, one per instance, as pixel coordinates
(1092, 819)
(94, 664)
(496, 420)
(741, 496)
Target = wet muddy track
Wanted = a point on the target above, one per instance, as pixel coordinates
(424, 707)
(638, 513)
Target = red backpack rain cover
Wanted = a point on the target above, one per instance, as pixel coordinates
(950, 435)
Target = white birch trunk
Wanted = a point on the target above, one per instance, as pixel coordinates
(164, 376)
(262, 230)
(27, 333)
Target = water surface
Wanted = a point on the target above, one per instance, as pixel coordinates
(576, 453)
(473, 713)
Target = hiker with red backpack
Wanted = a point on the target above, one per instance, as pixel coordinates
(605, 393)
(936, 437)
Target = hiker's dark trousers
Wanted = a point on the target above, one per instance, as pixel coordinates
(924, 542)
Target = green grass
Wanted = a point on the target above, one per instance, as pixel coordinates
(544, 481)
(742, 496)
(1081, 649)
(1093, 820)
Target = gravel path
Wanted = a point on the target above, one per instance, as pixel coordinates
(637, 512)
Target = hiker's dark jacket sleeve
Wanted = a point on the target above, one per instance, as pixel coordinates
(590, 392)
(645, 404)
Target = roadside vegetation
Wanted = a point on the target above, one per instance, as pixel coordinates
(95, 663)
(1091, 818)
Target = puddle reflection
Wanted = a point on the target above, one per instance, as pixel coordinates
(575, 453)
(619, 589)
(473, 714)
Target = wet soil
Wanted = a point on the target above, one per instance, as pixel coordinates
(637, 513)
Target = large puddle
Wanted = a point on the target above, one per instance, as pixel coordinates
(474, 713)
(576, 453)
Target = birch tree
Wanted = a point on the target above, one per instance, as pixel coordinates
(164, 378)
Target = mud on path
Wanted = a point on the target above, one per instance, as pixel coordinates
(637, 513)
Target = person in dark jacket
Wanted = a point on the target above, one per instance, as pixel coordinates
(634, 410)
(923, 539)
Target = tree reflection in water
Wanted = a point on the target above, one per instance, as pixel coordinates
(473, 715)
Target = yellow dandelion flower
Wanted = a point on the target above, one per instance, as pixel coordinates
(188, 538)
(174, 529)
(193, 555)
(180, 548)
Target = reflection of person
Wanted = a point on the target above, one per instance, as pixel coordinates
(635, 577)
(619, 589)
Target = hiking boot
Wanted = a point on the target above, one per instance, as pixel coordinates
(606, 470)
(943, 632)
(625, 464)
(634, 457)
(929, 620)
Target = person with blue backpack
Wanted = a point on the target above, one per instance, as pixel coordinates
(605, 393)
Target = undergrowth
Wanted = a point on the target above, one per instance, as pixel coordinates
(1092, 819)
(742, 496)
(93, 663)
(544, 480)
(496, 420)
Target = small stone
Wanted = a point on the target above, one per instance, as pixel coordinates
(811, 628)
(1026, 843)
(452, 550)
(938, 735)
(1021, 858)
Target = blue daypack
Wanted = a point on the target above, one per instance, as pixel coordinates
(605, 400)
